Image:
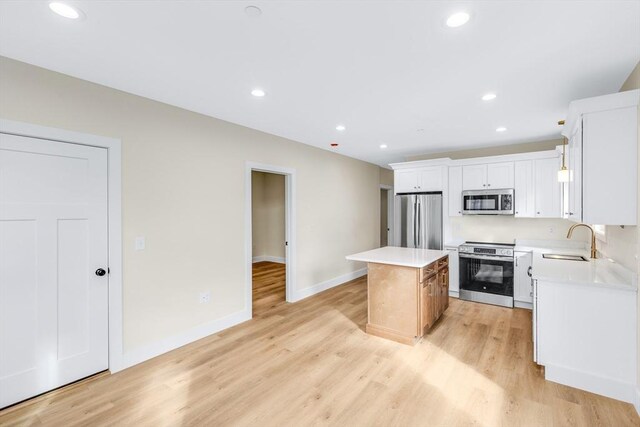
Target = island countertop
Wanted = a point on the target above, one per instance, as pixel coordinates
(406, 257)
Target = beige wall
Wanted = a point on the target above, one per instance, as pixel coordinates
(491, 151)
(386, 177)
(268, 214)
(183, 189)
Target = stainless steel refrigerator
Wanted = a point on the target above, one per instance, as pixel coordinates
(421, 220)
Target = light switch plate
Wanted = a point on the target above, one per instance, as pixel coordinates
(139, 243)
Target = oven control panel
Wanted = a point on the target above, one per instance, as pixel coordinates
(507, 252)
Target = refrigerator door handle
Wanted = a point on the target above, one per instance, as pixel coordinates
(419, 223)
(415, 228)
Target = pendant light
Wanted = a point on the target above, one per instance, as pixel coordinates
(563, 173)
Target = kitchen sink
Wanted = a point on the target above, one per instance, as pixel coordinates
(565, 257)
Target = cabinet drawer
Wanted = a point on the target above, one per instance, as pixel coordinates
(444, 262)
(427, 271)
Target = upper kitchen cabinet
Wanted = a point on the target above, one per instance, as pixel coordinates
(488, 176)
(455, 191)
(548, 194)
(500, 175)
(419, 179)
(474, 177)
(524, 189)
(603, 159)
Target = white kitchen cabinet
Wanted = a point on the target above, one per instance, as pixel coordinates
(454, 271)
(430, 179)
(406, 181)
(487, 176)
(524, 189)
(474, 177)
(585, 336)
(417, 180)
(500, 175)
(522, 287)
(602, 158)
(548, 201)
(455, 191)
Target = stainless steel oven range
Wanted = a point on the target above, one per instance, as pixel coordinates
(486, 272)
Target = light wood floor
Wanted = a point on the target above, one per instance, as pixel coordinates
(268, 286)
(310, 363)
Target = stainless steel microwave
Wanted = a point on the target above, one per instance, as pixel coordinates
(488, 202)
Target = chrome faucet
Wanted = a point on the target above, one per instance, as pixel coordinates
(593, 237)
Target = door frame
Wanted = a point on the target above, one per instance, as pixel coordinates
(114, 217)
(290, 229)
(390, 214)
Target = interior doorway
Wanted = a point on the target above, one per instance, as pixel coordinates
(386, 216)
(268, 248)
(270, 236)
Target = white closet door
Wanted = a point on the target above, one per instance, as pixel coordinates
(53, 238)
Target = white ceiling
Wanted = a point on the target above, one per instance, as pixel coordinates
(384, 69)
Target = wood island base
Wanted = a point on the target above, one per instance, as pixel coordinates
(405, 302)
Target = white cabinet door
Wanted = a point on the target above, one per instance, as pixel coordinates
(474, 177)
(500, 175)
(405, 181)
(610, 160)
(547, 188)
(454, 272)
(455, 191)
(522, 289)
(430, 179)
(524, 189)
(53, 240)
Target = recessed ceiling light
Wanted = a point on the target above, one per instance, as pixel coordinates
(501, 129)
(458, 19)
(340, 128)
(488, 96)
(65, 10)
(258, 93)
(253, 11)
(383, 146)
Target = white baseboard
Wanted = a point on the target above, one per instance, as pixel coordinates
(609, 387)
(522, 304)
(262, 258)
(454, 294)
(328, 284)
(637, 402)
(163, 346)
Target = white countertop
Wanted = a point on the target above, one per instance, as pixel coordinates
(601, 272)
(406, 257)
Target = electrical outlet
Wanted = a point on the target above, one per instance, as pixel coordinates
(204, 297)
(551, 230)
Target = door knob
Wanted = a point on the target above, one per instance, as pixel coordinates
(100, 272)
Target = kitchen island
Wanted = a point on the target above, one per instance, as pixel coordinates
(408, 290)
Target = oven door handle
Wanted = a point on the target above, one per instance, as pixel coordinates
(487, 257)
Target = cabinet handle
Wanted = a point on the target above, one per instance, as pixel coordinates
(488, 185)
(538, 213)
(570, 213)
(531, 293)
(529, 271)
